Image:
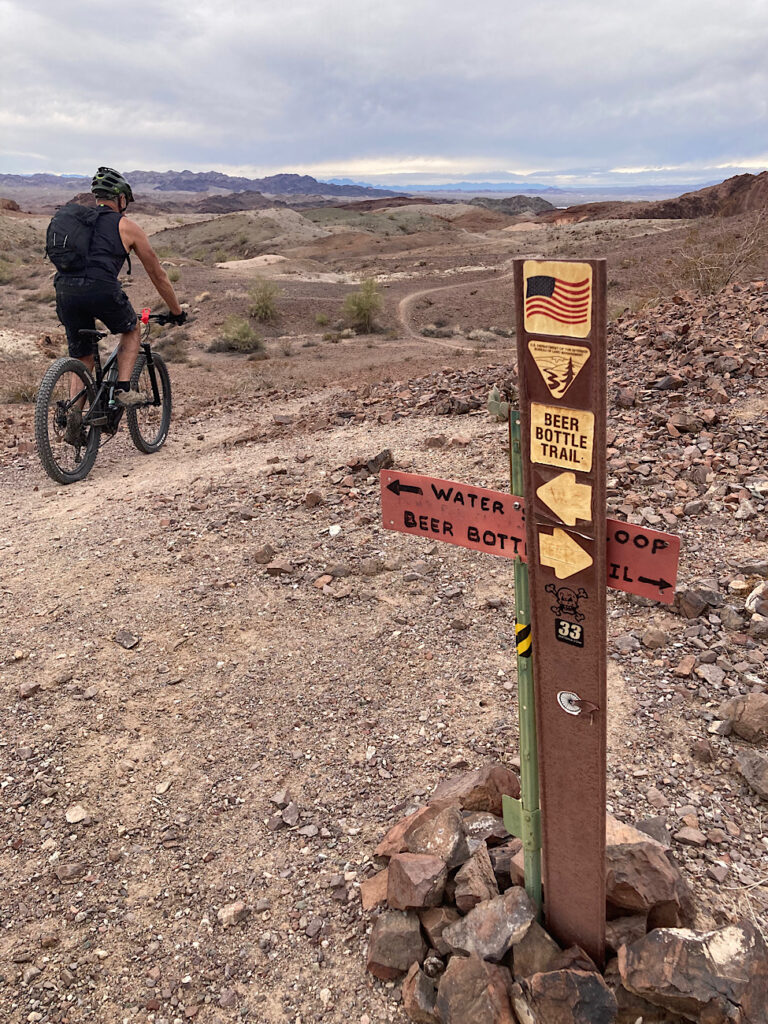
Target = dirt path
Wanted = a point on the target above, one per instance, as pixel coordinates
(406, 304)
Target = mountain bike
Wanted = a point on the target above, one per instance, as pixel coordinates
(68, 458)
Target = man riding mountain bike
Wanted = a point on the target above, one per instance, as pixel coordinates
(94, 291)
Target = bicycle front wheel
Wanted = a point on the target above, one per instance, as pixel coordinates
(148, 424)
(66, 443)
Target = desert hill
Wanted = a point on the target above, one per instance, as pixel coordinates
(742, 193)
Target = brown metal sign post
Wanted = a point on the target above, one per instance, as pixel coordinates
(560, 308)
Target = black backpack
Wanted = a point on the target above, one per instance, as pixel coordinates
(68, 238)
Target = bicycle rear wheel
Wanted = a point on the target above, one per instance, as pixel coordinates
(148, 424)
(65, 460)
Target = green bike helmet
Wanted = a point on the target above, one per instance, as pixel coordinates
(109, 184)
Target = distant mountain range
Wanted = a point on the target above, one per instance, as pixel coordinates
(203, 181)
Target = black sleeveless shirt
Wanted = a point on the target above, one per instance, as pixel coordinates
(107, 252)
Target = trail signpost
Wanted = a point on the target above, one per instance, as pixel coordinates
(573, 552)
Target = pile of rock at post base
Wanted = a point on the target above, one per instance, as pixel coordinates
(454, 925)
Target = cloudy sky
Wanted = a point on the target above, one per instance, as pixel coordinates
(402, 91)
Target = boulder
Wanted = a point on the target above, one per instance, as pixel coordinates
(754, 768)
(757, 602)
(419, 994)
(641, 879)
(717, 977)
(480, 790)
(416, 880)
(748, 715)
(492, 928)
(564, 997)
(395, 943)
(474, 992)
(631, 1007)
(475, 881)
(440, 833)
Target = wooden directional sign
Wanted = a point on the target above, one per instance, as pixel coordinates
(639, 561)
(560, 310)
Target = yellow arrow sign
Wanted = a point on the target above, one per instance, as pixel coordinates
(567, 499)
(561, 553)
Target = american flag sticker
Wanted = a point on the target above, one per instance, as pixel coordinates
(558, 298)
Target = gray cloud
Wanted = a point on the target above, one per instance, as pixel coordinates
(366, 89)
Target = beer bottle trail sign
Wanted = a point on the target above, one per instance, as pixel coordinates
(573, 552)
(560, 310)
(639, 561)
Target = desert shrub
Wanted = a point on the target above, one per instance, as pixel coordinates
(19, 380)
(708, 260)
(263, 304)
(333, 336)
(174, 274)
(221, 256)
(6, 272)
(285, 347)
(321, 319)
(361, 307)
(173, 347)
(237, 335)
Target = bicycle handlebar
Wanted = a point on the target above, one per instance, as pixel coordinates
(157, 318)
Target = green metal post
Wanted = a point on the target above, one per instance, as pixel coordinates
(529, 756)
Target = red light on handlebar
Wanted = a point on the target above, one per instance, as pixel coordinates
(145, 316)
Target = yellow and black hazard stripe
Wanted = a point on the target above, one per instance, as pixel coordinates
(523, 640)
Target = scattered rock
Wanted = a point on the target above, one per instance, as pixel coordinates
(232, 913)
(70, 872)
(640, 877)
(748, 715)
(264, 554)
(28, 689)
(373, 891)
(126, 639)
(754, 768)
(434, 921)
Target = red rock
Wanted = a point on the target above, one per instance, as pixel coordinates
(416, 880)
(564, 997)
(748, 715)
(419, 994)
(480, 790)
(475, 881)
(754, 768)
(440, 833)
(640, 878)
(492, 928)
(395, 944)
(373, 891)
(685, 666)
(474, 992)
(691, 836)
(394, 841)
(537, 951)
(717, 977)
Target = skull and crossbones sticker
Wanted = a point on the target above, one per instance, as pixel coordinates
(567, 600)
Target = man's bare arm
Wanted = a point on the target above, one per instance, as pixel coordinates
(135, 240)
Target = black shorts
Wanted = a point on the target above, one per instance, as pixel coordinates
(80, 302)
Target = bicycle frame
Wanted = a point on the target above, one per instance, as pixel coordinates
(103, 412)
